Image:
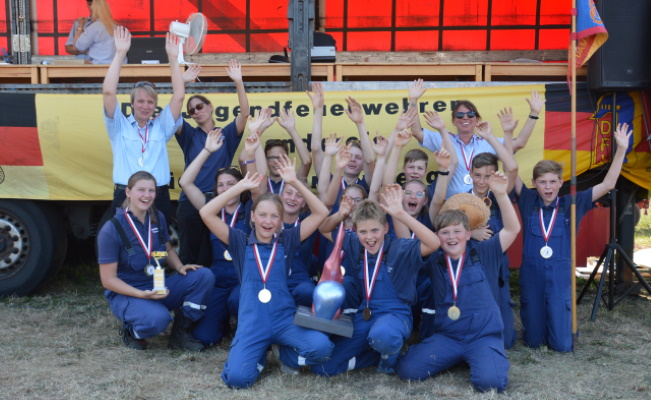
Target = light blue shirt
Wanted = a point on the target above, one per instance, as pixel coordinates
(127, 145)
(97, 43)
(71, 37)
(433, 142)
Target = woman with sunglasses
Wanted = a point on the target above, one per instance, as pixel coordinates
(139, 142)
(224, 298)
(92, 38)
(467, 144)
(193, 234)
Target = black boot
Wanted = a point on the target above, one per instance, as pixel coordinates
(130, 341)
(181, 337)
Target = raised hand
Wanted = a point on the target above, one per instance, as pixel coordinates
(482, 233)
(402, 138)
(506, 120)
(191, 74)
(380, 144)
(286, 119)
(484, 130)
(332, 145)
(172, 46)
(317, 97)
(535, 103)
(435, 120)
(416, 90)
(443, 158)
(234, 71)
(343, 157)
(407, 119)
(252, 143)
(345, 205)
(497, 183)
(354, 111)
(214, 140)
(392, 199)
(622, 135)
(250, 181)
(261, 121)
(287, 169)
(122, 39)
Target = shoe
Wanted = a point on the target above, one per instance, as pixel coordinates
(285, 369)
(181, 337)
(387, 364)
(130, 341)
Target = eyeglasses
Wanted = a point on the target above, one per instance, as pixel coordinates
(419, 195)
(232, 167)
(144, 83)
(198, 107)
(469, 114)
(273, 158)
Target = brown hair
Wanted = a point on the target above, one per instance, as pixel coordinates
(271, 143)
(201, 98)
(269, 197)
(484, 160)
(416, 155)
(133, 179)
(544, 166)
(451, 217)
(369, 210)
(358, 187)
(425, 209)
(468, 104)
(355, 143)
(245, 196)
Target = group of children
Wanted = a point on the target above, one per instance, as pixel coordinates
(406, 259)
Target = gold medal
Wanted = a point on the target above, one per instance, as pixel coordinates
(454, 313)
(264, 296)
(227, 256)
(367, 314)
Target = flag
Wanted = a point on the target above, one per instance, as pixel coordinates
(590, 33)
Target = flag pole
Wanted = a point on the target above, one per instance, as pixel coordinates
(572, 54)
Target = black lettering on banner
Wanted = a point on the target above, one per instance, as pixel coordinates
(337, 110)
(438, 106)
(431, 176)
(372, 108)
(127, 109)
(171, 184)
(221, 113)
(302, 110)
(392, 108)
(401, 178)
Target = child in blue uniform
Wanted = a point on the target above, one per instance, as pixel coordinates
(545, 283)
(467, 323)
(262, 260)
(125, 246)
(386, 270)
(224, 297)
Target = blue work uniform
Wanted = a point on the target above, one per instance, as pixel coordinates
(224, 296)
(193, 233)
(360, 181)
(262, 324)
(146, 318)
(476, 337)
(545, 283)
(382, 336)
(300, 282)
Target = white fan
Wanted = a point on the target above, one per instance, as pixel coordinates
(192, 34)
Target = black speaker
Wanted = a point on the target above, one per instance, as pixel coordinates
(624, 61)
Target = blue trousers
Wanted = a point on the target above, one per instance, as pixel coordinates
(218, 311)
(486, 357)
(147, 318)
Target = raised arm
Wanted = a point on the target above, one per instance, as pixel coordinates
(342, 158)
(498, 183)
(622, 136)
(122, 39)
(380, 148)
(447, 165)
(505, 116)
(402, 138)
(392, 204)
(435, 120)
(288, 122)
(250, 163)
(214, 142)
(178, 85)
(234, 71)
(333, 221)
(209, 212)
(508, 162)
(318, 100)
(415, 92)
(356, 114)
(332, 147)
(405, 121)
(536, 104)
(259, 124)
(318, 212)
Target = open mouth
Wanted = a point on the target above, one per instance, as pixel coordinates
(412, 206)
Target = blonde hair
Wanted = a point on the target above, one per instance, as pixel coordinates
(545, 166)
(369, 210)
(100, 10)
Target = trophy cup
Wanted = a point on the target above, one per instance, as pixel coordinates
(328, 296)
(159, 273)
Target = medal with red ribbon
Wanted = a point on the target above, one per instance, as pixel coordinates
(454, 312)
(467, 162)
(369, 284)
(143, 141)
(547, 251)
(271, 187)
(149, 268)
(264, 295)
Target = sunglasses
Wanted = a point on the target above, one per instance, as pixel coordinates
(419, 195)
(231, 168)
(198, 107)
(469, 114)
(144, 83)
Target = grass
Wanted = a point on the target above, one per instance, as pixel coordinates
(643, 232)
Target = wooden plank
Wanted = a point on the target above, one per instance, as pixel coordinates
(11, 73)
(407, 71)
(528, 69)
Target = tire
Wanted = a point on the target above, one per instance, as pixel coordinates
(31, 247)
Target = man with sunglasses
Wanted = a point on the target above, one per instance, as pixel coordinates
(193, 235)
(467, 144)
(139, 142)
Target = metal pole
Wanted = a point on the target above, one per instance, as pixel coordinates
(572, 55)
(301, 28)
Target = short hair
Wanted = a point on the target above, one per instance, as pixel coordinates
(235, 173)
(273, 197)
(369, 210)
(416, 155)
(544, 166)
(484, 160)
(148, 88)
(451, 217)
(468, 104)
(356, 186)
(271, 143)
(355, 143)
(135, 178)
(201, 98)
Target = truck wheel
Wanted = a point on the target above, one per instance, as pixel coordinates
(29, 250)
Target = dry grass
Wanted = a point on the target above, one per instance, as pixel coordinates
(63, 344)
(643, 232)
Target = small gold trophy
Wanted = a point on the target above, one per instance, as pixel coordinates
(159, 273)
